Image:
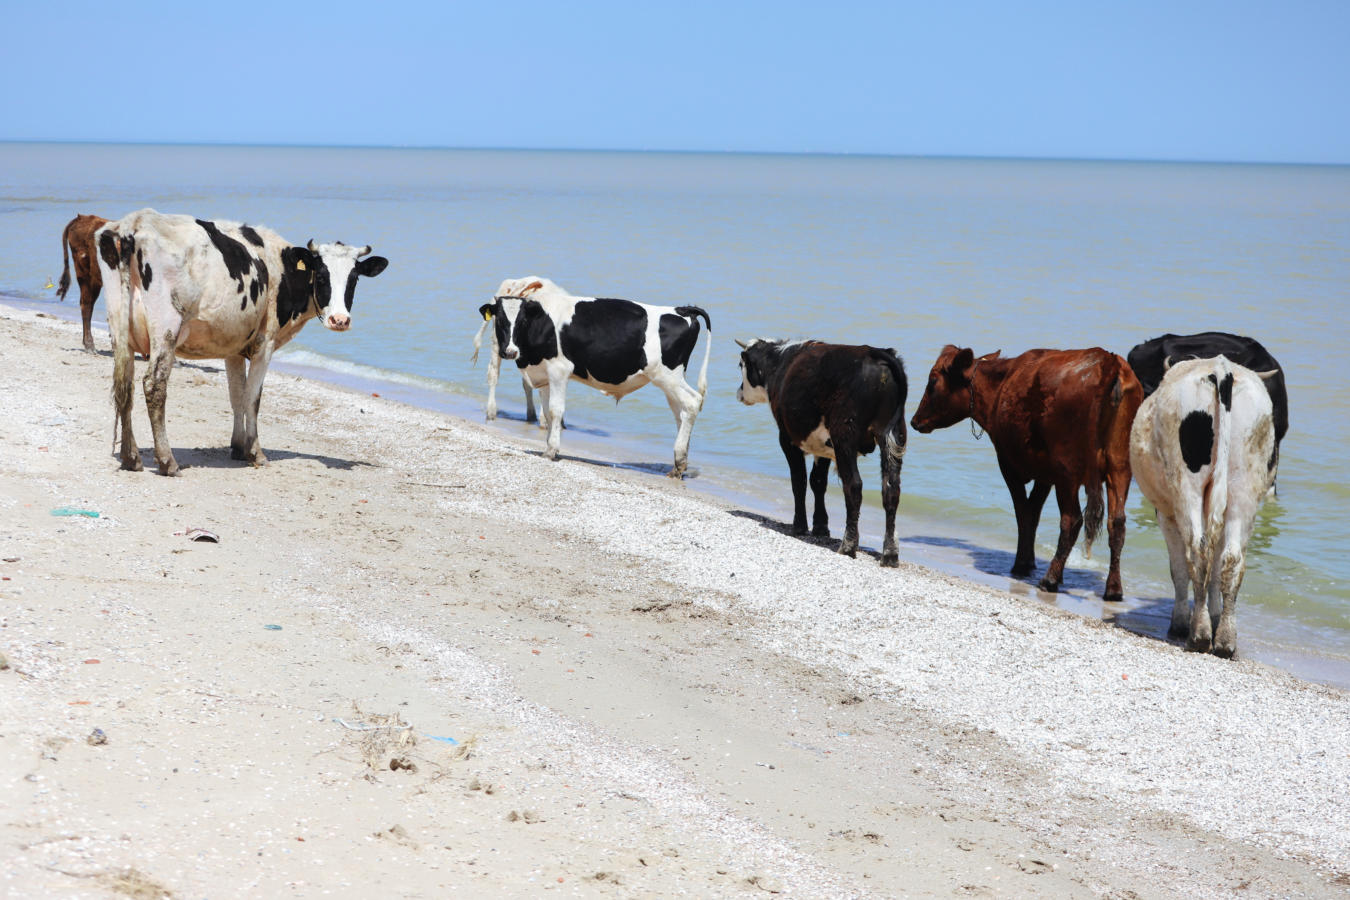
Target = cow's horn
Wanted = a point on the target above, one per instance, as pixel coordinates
(742, 344)
(312, 248)
(363, 252)
(1266, 376)
(1167, 363)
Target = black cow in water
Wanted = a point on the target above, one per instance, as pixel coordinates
(835, 402)
(615, 346)
(1151, 360)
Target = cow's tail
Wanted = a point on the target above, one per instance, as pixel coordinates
(692, 312)
(119, 323)
(896, 438)
(1216, 490)
(64, 284)
(478, 340)
(1093, 486)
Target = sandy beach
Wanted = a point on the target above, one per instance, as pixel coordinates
(422, 661)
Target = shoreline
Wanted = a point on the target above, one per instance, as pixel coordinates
(935, 544)
(649, 693)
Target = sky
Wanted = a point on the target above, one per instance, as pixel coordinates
(1122, 79)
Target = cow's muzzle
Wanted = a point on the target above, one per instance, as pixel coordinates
(338, 322)
(510, 353)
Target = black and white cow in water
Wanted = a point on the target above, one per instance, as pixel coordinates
(615, 346)
(1198, 449)
(184, 287)
(835, 402)
(495, 368)
(1151, 359)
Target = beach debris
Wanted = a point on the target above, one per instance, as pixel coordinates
(92, 662)
(529, 817)
(96, 738)
(4, 662)
(74, 511)
(765, 884)
(399, 835)
(199, 534)
(48, 286)
(272, 627)
(402, 762)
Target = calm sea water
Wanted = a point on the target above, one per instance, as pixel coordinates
(907, 253)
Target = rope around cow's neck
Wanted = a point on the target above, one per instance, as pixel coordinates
(976, 434)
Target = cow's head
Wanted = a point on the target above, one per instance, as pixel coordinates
(759, 357)
(504, 311)
(325, 275)
(947, 398)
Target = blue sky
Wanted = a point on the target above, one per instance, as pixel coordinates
(1235, 81)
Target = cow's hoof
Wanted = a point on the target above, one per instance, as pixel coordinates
(1113, 596)
(168, 469)
(1177, 631)
(1198, 645)
(1225, 651)
(677, 474)
(890, 560)
(849, 550)
(798, 529)
(1051, 587)
(1021, 570)
(239, 453)
(820, 531)
(89, 347)
(259, 460)
(551, 454)
(132, 464)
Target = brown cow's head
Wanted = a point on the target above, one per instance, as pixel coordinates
(946, 399)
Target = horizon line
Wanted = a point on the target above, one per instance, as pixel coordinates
(686, 152)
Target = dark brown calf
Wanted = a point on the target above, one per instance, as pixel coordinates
(77, 240)
(1057, 418)
(834, 402)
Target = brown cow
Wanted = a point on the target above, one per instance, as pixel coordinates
(1058, 418)
(78, 241)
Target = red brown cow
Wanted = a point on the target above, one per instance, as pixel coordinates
(1057, 418)
(77, 240)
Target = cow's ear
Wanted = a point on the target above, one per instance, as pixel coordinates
(298, 259)
(371, 266)
(486, 310)
(962, 361)
(531, 287)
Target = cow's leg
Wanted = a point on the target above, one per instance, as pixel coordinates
(890, 501)
(846, 462)
(555, 399)
(1117, 491)
(1232, 567)
(1070, 523)
(124, 396)
(796, 461)
(530, 414)
(1199, 563)
(88, 294)
(685, 402)
(235, 374)
(820, 480)
(253, 386)
(1027, 512)
(493, 371)
(1181, 577)
(156, 384)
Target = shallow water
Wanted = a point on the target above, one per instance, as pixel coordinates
(906, 253)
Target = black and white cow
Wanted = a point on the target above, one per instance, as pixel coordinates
(184, 287)
(1198, 449)
(835, 402)
(1151, 359)
(495, 368)
(615, 346)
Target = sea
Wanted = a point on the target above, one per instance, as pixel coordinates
(900, 252)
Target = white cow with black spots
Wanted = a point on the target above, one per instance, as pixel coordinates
(1201, 448)
(615, 346)
(196, 289)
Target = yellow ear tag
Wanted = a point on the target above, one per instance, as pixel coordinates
(487, 317)
(300, 264)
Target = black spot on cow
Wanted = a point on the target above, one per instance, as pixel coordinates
(107, 248)
(295, 292)
(251, 236)
(605, 339)
(238, 261)
(678, 336)
(1196, 436)
(1226, 392)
